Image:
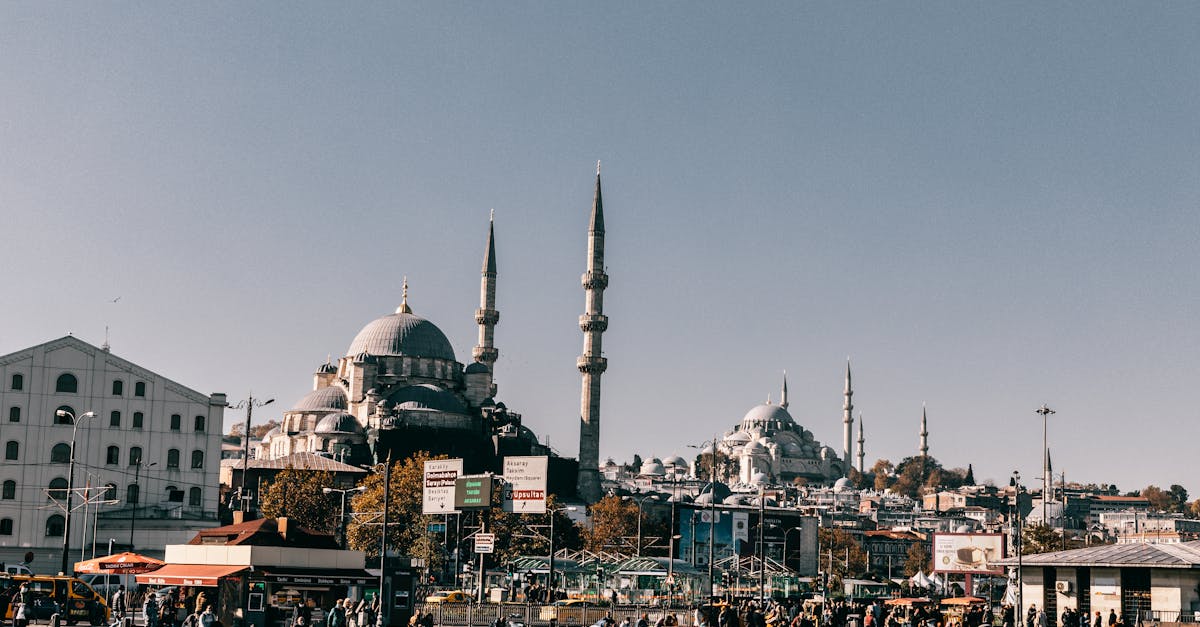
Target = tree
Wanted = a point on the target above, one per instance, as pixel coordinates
(917, 559)
(857, 479)
(969, 478)
(882, 470)
(297, 494)
(256, 431)
(915, 473)
(847, 556)
(528, 534)
(613, 520)
(407, 527)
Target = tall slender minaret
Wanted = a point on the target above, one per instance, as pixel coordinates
(847, 420)
(592, 364)
(924, 432)
(487, 316)
(783, 402)
(861, 441)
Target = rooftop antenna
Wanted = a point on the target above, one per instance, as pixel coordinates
(104, 347)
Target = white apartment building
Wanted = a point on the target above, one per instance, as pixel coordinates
(148, 445)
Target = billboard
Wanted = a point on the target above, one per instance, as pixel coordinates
(525, 489)
(968, 553)
(437, 496)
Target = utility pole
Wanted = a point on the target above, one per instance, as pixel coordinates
(250, 403)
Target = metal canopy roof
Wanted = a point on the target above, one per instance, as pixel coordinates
(1182, 555)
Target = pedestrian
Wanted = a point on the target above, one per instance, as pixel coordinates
(1042, 619)
(364, 613)
(119, 603)
(643, 620)
(1031, 615)
(150, 611)
(208, 618)
(1112, 617)
(1085, 620)
(24, 611)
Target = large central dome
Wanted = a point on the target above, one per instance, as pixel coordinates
(402, 334)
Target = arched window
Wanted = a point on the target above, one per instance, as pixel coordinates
(199, 423)
(135, 455)
(6, 526)
(66, 383)
(118, 387)
(174, 494)
(197, 459)
(138, 419)
(173, 458)
(58, 489)
(139, 388)
(54, 526)
(18, 382)
(194, 496)
(61, 453)
(12, 450)
(114, 419)
(14, 414)
(9, 492)
(176, 421)
(110, 492)
(132, 493)
(113, 455)
(65, 418)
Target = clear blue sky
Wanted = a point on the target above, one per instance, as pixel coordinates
(987, 206)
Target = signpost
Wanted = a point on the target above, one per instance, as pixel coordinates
(473, 492)
(485, 542)
(438, 494)
(525, 489)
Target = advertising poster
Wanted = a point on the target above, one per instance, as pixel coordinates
(968, 553)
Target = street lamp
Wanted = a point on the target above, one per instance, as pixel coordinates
(710, 446)
(640, 502)
(250, 403)
(550, 570)
(137, 472)
(785, 539)
(1046, 412)
(1016, 482)
(62, 413)
(342, 517)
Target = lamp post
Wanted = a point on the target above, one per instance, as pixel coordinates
(710, 447)
(785, 538)
(762, 555)
(342, 517)
(250, 403)
(62, 413)
(640, 502)
(1046, 412)
(1016, 481)
(550, 567)
(137, 472)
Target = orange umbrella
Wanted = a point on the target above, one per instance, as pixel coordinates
(120, 564)
(963, 601)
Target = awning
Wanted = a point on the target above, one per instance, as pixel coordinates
(203, 575)
(315, 576)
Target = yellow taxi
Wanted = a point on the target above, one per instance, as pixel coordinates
(449, 596)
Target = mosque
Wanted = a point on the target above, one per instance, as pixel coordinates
(400, 389)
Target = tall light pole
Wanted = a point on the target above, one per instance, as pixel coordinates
(62, 413)
(640, 502)
(1046, 412)
(762, 555)
(342, 517)
(550, 567)
(249, 404)
(1016, 481)
(137, 471)
(785, 538)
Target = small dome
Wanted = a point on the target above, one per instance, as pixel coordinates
(327, 368)
(270, 434)
(721, 490)
(338, 423)
(841, 485)
(653, 469)
(755, 448)
(675, 460)
(476, 368)
(963, 529)
(427, 396)
(760, 477)
(331, 398)
(738, 436)
(402, 334)
(364, 358)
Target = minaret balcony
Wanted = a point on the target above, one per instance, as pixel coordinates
(487, 316)
(594, 280)
(592, 365)
(485, 354)
(593, 322)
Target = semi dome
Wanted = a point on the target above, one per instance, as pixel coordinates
(331, 398)
(402, 334)
(340, 422)
(768, 416)
(427, 396)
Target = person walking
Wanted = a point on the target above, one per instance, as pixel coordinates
(119, 604)
(150, 609)
(1031, 615)
(1112, 617)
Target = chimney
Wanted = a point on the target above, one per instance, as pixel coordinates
(281, 524)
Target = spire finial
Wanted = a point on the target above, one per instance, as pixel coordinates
(597, 167)
(783, 401)
(492, 217)
(768, 398)
(404, 308)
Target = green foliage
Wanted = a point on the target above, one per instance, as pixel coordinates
(849, 560)
(1173, 499)
(527, 534)
(408, 528)
(918, 559)
(297, 494)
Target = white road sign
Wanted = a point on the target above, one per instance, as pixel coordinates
(437, 497)
(525, 484)
(485, 542)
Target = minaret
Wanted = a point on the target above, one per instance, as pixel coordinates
(783, 402)
(924, 432)
(592, 364)
(847, 419)
(861, 441)
(487, 316)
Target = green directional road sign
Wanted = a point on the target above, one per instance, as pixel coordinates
(473, 492)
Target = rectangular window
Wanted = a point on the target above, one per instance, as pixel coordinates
(138, 419)
(114, 419)
(18, 381)
(199, 424)
(14, 414)
(139, 388)
(176, 421)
